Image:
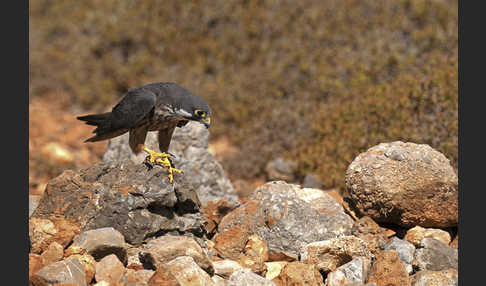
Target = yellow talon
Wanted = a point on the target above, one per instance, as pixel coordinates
(163, 159)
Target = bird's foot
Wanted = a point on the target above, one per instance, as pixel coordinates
(163, 159)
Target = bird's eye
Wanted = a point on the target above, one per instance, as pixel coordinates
(200, 113)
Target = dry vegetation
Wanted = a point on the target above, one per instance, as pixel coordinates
(317, 81)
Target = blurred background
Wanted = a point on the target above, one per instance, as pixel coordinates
(300, 86)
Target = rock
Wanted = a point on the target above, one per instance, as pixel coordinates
(312, 181)
(137, 202)
(248, 278)
(190, 147)
(33, 203)
(133, 258)
(187, 272)
(35, 263)
(99, 243)
(109, 269)
(53, 253)
(214, 212)
(68, 271)
(280, 170)
(133, 277)
(255, 254)
(298, 273)
(416, 234)
(164, 249)
(355, 271)
(162, 277)
(404, 183)
(274, 268)
(435, 278)
(226, 267)
(369, 231)
(218, 281)
(328, 255)
(388, 269)
(435, 255)
(88, 263)
(42, 232)
(279, 213)
(455, 242)
(405, 251)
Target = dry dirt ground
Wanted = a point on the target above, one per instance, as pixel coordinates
(56, 144)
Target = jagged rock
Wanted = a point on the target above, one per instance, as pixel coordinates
(416, 234)
(329, 254)
(42, 232)
(190, 146)
(435, 255)
(99, 243)
(255, 254)
(369, 231)
(161, 250)
(219, 281)
(405, 251)
(136, 201)
(248, 278)
(187, 272)
(35, 263)
(226, 267)
(139, 277)
(285, 217)
(53, 253)
(162, 277)
(215, 211)
(404, 183)
(435, 278)
(298, 273)
(388, 269)
(274, 268)
(355, 271)
(280, 170)
(109, 269)
(89, 264)
(33, 203)
(455, 242)
(68, 271)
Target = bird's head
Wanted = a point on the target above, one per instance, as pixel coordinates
(192, 107)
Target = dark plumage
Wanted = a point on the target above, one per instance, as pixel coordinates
(153, 107)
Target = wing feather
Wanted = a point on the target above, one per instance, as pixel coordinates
(133, 109)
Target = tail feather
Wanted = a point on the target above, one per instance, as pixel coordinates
(103, 129)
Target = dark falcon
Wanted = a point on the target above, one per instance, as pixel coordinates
(152, 107)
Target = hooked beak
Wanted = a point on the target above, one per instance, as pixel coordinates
(206, 121)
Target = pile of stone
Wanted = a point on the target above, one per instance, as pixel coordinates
(119, 223)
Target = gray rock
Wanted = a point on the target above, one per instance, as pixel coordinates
(137, 201)
(311, 181)
(280, 169)
(431, 278)
(69, 271)
(435, 255)
(246, 278)
(190, 146)
(100, 243)
(355, 271)
(33, 203)
(404, 183)
(279, 213)
(405, 251)
(166, 248)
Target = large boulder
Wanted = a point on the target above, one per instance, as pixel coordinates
(137, 201)
(189, 146)
(404, 183)
(286, 216)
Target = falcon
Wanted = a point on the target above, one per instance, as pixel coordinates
(152, 107)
